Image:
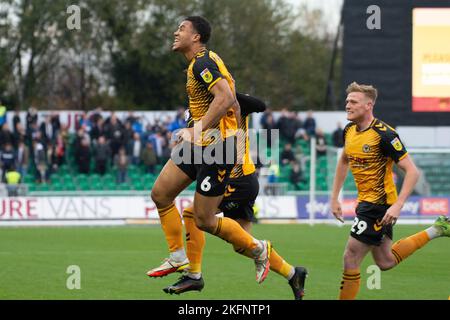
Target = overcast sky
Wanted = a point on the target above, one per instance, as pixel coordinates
(330, 8)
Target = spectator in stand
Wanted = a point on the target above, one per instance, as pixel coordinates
(147, 133)
(51, 158)
(83, 156)
(321, 143)
(310, 124)
(131, 118)
(338, 136)
(16, 119)
(158, 142)
(274, 172)
(113, 130)
(6, 136)
(135, 149)
(128, 134)
(264, 116)
(269, 125)
(97, 130)
(149, 158)
(7, 158)
(84, 122)
(18, 134)
(12, 179)
(287, 125)
(287, 156)
(22, 157)
(272, 177)
(60, 150)
(95, 115)
(296, 176)
(81, 135)
(179, 121)
(3, 113)
(46, 129)
(31, 118)
(102, 154)
(166, 147)
(121, 163)
(56, 124)
(137, 125)
(37, 135)
(301, 132)
(40, 161)
(64, 132)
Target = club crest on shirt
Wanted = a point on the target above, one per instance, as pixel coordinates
(366, 148)
(206, 75)
(397, 144)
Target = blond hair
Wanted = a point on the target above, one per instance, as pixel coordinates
(369, 91)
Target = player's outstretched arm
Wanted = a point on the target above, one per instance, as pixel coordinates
(339, 178)
(411, 178)
(250, 104)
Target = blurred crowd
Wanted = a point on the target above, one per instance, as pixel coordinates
(292, 129)
(100, 143)
(103, 141)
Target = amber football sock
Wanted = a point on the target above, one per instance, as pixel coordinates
(350, 284)
(195, 242)
(277, 263)
(403, 248)
(280, 266)
(172, 227)
(232, 232)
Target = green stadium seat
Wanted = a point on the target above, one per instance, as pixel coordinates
(83, 185)
(42, 187)
(69, 186)
(134, 176)
(94, 177)
(109, 185)
(57, 186)
(108, 179)
(29, 178)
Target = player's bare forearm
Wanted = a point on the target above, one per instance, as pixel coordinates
(411, 177)
(410, 180)
(223, 100)
(339, 178)
(341, 173)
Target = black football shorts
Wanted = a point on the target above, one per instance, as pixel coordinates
(366, 226)
(239, 198)
(209, 165)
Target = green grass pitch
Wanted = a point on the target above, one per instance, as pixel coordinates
(114, 261)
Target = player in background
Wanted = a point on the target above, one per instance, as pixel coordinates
(214, 114)
(370, 150)
(238, 202)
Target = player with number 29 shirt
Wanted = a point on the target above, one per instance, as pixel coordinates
(371, 148)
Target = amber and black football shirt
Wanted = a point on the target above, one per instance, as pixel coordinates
(371, 154)
(245, 165)
(204, 71)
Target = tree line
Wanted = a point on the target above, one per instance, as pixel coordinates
(120, 57)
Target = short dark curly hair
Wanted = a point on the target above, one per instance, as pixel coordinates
(202, 26)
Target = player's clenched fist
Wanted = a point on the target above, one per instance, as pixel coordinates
(337, 210)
